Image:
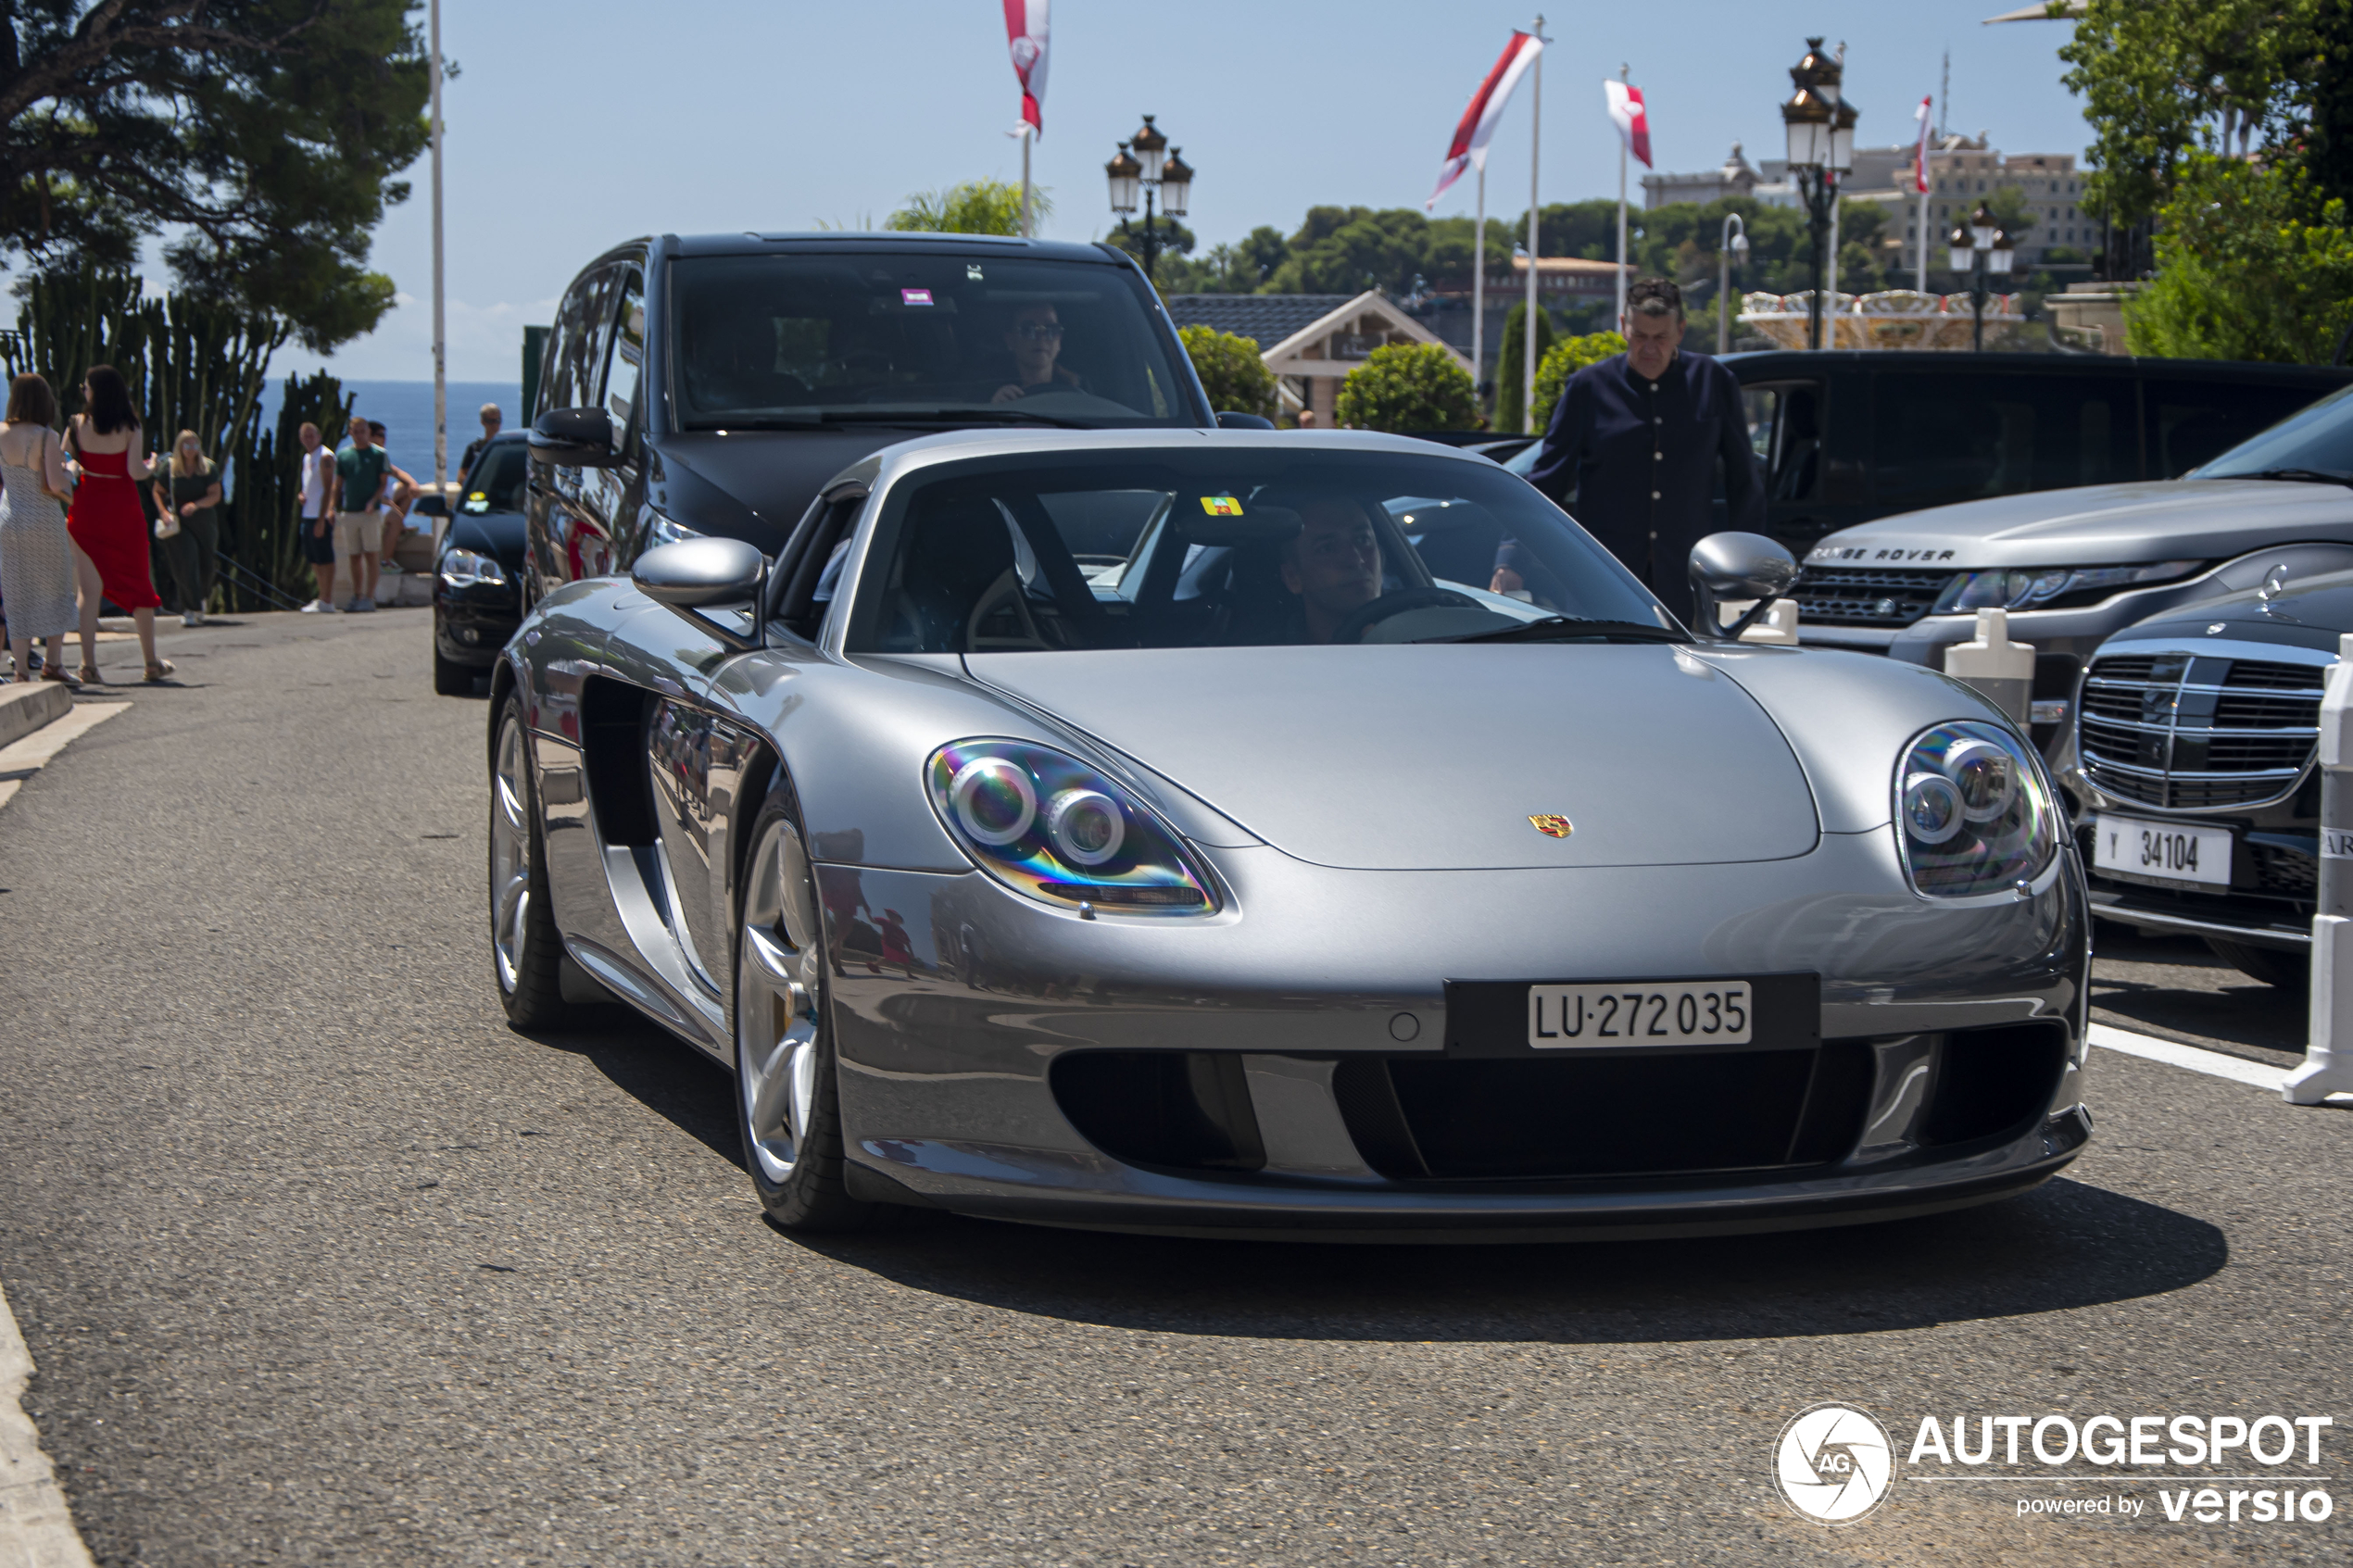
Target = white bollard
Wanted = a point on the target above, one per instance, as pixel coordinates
(2328, 1054)
(2001, 670)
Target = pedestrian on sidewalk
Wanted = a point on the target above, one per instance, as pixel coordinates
(360, 480)
(108, 465)
(402, 496)
(188, 523)
(313, 522)
(491, 422)
(37, 556)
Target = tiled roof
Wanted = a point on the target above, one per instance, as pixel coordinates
(1266, 318)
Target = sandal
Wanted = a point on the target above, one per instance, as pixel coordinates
(57, 673)
(161, 669)
(90, 676)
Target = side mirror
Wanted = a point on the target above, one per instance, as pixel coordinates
(431, 505)
(1738, 566)
(1234, 418)
(694, 576)
(573, 438)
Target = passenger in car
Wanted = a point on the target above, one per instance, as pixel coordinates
(1333, 564)
(1034, 338)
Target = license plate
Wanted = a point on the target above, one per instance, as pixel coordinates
(1671, 1013)
(2174, 851)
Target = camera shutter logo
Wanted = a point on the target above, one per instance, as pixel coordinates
(1834, 1463)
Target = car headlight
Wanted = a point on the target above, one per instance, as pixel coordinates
(1049, 826)
(1973, 811)
(464, 568)
(2033, 589)
(660, 529)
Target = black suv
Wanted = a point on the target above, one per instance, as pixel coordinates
(711, 384)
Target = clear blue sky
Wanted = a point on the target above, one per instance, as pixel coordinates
(577, 124)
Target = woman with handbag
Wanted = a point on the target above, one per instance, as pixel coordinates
(37, 557)
(188, 527)
(107, 519)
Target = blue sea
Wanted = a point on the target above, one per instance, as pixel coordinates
(405, 408)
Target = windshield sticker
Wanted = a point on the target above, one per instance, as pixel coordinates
(914, 297)
(1221, 506)
(971, 270)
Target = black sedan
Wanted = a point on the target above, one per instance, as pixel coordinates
(478, 565)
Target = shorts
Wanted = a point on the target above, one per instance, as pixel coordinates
(318, 548)
(358, 534)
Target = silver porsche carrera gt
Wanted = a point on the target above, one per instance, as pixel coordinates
(1283, 834)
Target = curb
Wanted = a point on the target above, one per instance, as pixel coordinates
(36, 1527)
(26, 706)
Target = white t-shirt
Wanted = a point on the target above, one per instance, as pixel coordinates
(315, 466)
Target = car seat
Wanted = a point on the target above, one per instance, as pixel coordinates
(958, 556)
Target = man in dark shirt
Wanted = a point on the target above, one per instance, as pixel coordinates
(491, 421)
(1637, 440)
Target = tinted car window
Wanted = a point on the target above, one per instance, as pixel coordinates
(577, 357)
(780, 341)
(628, 351)
(496, 485)
(2319, 437)
(1227, 550)
(1939, 438)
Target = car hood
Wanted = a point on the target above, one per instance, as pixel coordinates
(2311, 614)
(499, 535)
(753, 485)
(1425, 758)
(2099, 525)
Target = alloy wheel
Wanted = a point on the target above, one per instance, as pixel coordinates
(778, 974)
(509, 854)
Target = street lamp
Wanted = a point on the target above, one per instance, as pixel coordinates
(1148, 165)
(1820, 126)
(1733, 243)
(1981, 249)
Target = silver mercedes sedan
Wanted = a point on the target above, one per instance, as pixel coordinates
(1283, 834)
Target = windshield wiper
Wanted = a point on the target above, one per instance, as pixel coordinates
(2308, 476)
(1569, 628)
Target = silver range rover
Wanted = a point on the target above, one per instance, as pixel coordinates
(2075, 567)
(2199, 805)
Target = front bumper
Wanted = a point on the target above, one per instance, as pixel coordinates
(470, 625)
(948, 1050)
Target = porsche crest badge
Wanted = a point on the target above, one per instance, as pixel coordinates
(1552, 826)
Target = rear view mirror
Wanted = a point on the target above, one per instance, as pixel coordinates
(1738, 566)
(573, 438)
(694, 575)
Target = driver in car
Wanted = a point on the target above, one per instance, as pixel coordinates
(1332, 563)
(1035, 339)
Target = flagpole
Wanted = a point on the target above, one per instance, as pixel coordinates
(1028, 230)
(1535, 147)
(440, 337)
(1479, 285)
(1623, 75)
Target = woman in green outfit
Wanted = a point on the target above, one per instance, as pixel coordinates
(190, 495)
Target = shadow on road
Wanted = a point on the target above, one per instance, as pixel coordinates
(2065, 1245)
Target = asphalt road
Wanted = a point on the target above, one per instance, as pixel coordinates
(324, 1265)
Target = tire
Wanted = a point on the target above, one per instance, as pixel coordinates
(451, 678)
(526, 954)
(2289, 971)
(787, 1100)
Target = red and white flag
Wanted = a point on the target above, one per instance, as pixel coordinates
(1469, 146)
(1919, 153)
(1025, 30)
(1633, 120)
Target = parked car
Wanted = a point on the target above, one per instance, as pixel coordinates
(478, 565)
(2193, 770)
(1847, 437)
(1042, 835)
(711, 385)
(2073, 567)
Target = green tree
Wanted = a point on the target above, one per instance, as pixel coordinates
(257, 138)
(1408, 386)
(2243, 271)
(1230, 371)
(976, 207)
(1563, 360)
(1511, 378)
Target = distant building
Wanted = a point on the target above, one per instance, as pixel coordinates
(1310, 341)
(1962, 171)
(1735, 179)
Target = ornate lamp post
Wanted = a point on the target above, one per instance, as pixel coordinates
(1732, 244)
(1820, 126)
(1982, 250)
(1146, 166)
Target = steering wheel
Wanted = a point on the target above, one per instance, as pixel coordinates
(1358, 621)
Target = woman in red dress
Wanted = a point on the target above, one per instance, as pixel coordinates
(106, 521)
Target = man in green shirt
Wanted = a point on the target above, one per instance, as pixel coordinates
(360, 471)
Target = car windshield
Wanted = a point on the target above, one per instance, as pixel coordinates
(2317, 439)
(1234, 548)
(788, 340)
(495, 483)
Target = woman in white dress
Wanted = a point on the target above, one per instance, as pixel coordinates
(39, 562)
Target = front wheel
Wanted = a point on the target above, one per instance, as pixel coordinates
(526, 953)
(787, 1104)
(2289, 971)
(451, 678)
